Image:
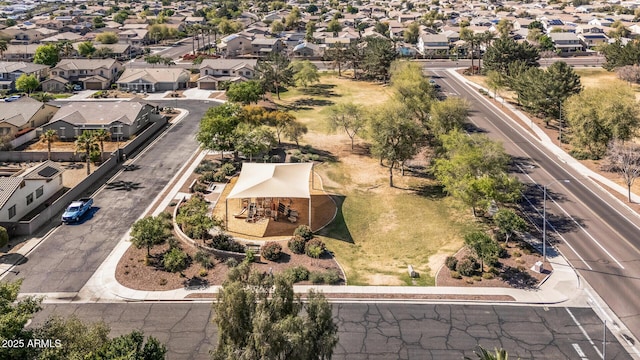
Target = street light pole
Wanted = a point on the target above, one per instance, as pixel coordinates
(560, 120)
(544, 218)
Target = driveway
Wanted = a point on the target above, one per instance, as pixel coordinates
(84, 94)
(200, 94)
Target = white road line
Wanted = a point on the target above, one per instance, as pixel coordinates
(577, 348)
(584, 332)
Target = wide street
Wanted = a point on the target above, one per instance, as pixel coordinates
(593, 231)
(72, 253)
(383, 331)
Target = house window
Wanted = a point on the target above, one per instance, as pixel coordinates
(61, 132)
(225, 71)
(29, 199)
(61, 73)
(39, 192)
(12, 211)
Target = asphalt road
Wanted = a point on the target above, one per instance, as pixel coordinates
(72, 253)
(383, 331)
(596, 234)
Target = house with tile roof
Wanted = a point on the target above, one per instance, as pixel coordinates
(24, 191)
(93, 74)
(215, 71)
(153, 79)
(11, 70)
(122, 119)
(23, 114)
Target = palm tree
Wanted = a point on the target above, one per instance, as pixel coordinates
(102, 135)
(66, 47)
(49, 137)
(483, 354)
(86, 143)
(3, 47)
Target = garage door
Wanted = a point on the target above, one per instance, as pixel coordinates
(93, 85)
(207, 85)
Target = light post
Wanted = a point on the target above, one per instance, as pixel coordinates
(560, 120)
(544, 218)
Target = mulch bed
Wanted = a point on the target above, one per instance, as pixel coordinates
(515, 269)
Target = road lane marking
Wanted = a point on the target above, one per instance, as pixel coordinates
(577, 348)
(584, 332)
(570, 217)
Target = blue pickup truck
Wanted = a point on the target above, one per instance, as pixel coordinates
(76, 210)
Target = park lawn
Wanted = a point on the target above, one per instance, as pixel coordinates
(311, 104)
(380, 231)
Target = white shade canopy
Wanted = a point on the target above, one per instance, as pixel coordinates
(273, 180)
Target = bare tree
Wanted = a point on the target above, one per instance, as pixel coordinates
(624, 158)
(629, 73)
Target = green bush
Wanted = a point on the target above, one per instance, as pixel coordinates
(304, 231)
(456, 275)
(331, 277)
(316, 277)
(314, 248)
(488, 276)
(451, 262)
(516, 253)
(249, 256)
(175, 260)
(4, 237)
(220, 177)
(468, 266)
(199, 188)
(297, 244)
(271, 251)
(231, 262)
(206, 166)
(294, 159)
(228, 169)
(203, 273)
(203, 258)
(207, 177)
(226, 243)
(296, 274)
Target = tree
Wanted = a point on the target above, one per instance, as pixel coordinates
(132, 346)
(120, 17)
(629, 73)
(277, 27)
(395, 135)
(618, 55)
(349, 117)
(445, 116)
(281, 120)
(483, 354)
(107, 37)
(624, 158)
(334, 27)
(381, 28)
(411, 33)
(305, 73)
(49, 137)
(259, 317)
(87, 144)
(508, 222)
(80, 340)
(148, 232)
(98, 22)
(253, 140)
(598, 115)
(294, 131)
(14, 315)
(47, 55)
(66, 47)
(504, 27)
(504, 51)
(337, 55)
(618, 30)
(474, 170)
(194, 219)
(310, 28)
(216, 128)
(485, 248)
(412, 89)
(293, 19)
(153, 59)
(274, 72)
(101, 136)
(4, 237)
(495, 81)
(3, 47)
(471, 39)
(245, 92)
(379, 53)
(86, 48)
(27, 83)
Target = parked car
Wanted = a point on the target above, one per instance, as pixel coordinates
(77, 87)
(76, 210)
(12, 98)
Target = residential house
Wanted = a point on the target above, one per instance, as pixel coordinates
(591, 35)
(94, 74)
(19, 36)
(153, 79)
(263, 47)
(10, 71)
(24, 191)
(307, 50)
(566, 42)
(20, 52)
(235, 45)
(23, 114)
(134, 37)
(122, 119)
(429, 44)
(65, 36)
(215, 71)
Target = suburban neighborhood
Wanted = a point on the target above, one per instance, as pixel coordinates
(319, 180)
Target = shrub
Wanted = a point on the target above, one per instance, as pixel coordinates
(226, 243)
(476, 278)
(314, 248)
(231, 262)
(304, 231)
(162, 282)
(219, 176)
(331, 277)
(249, 256)
(456, 275)
(203, 258)
(206, 166)
(203, 273)
(173, 242)
(488, 276)
(4, 237)
(207, 177)
(517, 254)
(199, 188)
(175, 260)
(296, 274)
(228, 169)
(271, 251)
(294, 159)
(297, 244)
(468, 266)
(316, 277)
(451, 262)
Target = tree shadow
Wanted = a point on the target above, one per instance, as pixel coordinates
(338, 228)
(324, 90)
(13, 259)
(519, 279)
(309, 103)
(473, 129)
(435, 191)
(122, 185)
(519, 164)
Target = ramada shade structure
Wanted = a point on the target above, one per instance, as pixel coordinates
(273, 180)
